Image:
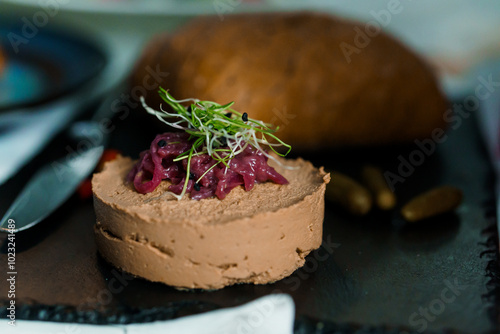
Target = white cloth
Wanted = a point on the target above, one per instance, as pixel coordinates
(23, 133)
(27, 132)
(273, 314)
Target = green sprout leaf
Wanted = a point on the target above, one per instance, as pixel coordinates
(217, 130)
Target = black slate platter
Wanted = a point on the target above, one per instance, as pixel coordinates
(373, 274)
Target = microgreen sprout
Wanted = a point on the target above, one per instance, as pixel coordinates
(217, 130)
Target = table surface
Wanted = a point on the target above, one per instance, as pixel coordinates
(374, 271)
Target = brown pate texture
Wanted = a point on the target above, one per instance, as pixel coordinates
(258, 236)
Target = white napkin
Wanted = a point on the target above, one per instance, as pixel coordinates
(23, 133)
(273, 314)
(26, 132)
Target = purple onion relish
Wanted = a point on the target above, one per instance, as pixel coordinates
(156, 164)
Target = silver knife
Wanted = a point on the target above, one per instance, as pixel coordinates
(55, 182)
(49, 188)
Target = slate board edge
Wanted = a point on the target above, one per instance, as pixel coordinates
(303, 324)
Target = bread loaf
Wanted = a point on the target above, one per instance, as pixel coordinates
(306, 72)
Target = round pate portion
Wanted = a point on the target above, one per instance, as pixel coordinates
(259, 236)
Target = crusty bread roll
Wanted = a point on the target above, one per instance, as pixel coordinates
(257, 236)
(290, 69)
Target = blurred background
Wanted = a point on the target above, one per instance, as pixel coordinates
(456, 36)
(62, 47)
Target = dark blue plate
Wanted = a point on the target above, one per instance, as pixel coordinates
(43, 64)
